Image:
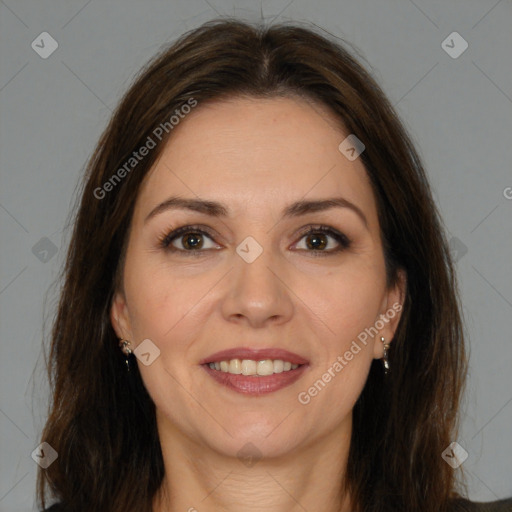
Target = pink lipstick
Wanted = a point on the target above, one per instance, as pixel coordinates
(276, 369)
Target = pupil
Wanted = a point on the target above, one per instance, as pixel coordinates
(196, 241)
(316, 239)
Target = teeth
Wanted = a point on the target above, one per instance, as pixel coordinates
(265, 367)
(249, 367)
(235, 366)
(252, 367)
(278, 366)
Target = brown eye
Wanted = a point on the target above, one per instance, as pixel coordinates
(192, 241)
(187, 239)
(317, 239)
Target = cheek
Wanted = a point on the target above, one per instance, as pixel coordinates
(159, 297)
(347, 300)
(332, 390)
(351, 307)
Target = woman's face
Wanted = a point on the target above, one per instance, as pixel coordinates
(256, 280)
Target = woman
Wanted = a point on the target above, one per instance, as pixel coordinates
(255, 232)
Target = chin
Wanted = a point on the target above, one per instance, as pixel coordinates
(256, 438)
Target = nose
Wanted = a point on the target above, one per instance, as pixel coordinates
(257, 292)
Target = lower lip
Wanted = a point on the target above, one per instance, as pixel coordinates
(252, 385)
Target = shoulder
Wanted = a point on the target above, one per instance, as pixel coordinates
(464, 505)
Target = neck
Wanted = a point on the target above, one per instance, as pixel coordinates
(200, 479)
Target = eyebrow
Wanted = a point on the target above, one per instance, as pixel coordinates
(215, 209)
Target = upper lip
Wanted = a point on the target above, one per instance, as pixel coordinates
(255, 354)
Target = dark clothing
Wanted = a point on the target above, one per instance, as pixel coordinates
(459, 505)
(473, 506)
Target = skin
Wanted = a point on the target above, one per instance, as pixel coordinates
(256, 156)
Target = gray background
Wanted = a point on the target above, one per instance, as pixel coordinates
(458, 111)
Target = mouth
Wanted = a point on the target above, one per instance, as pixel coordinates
(253, 371)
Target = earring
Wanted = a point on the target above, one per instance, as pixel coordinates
(385, 360)
(127, 351)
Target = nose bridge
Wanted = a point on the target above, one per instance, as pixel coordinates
(256, 289)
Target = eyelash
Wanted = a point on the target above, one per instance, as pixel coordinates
(166, 239)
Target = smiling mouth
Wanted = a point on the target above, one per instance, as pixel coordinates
(253, 377)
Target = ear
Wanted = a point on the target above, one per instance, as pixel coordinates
(391, 312)
(120, 317)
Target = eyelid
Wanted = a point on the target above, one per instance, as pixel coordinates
(166, 239)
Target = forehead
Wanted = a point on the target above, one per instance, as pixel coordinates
(261, 153)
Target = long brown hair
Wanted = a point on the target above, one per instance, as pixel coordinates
(102, 420)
